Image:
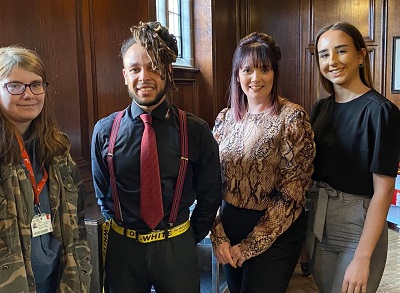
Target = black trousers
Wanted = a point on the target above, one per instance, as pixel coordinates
(170, 265)
(272, 270)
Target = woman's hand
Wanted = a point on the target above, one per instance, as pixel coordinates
(237, 255)
(356, 276)
(357, 273)
(223, 255)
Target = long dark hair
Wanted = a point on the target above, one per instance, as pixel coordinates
(43, 129)
(261, 50)
(359, 43)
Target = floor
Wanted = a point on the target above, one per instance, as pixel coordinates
(391, 277)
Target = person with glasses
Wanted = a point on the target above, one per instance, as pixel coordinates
(18, 88)
(43, 244)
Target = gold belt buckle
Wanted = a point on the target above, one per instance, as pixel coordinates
(130, 233)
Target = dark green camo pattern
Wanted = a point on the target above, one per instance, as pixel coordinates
(67, 212)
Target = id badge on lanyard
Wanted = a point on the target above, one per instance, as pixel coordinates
(41, 222)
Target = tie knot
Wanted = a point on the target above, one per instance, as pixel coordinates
(146, 118)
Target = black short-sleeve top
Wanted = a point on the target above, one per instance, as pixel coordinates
(354, 140)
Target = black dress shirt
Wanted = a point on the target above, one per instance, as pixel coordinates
(203, 177)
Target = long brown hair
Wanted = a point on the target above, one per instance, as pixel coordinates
(262, 51)
(359, 43)
(43, 130)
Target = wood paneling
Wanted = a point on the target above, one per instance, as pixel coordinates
(187, 95)
(79, 42)
(226, 26)
(203, 51)
(215, 38)
(354, 11)
(50, 29)
(393, 29)
(111, 21)
(281, 20)
(367, 16)
(294, 24)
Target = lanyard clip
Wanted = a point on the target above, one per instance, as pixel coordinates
(37, 209)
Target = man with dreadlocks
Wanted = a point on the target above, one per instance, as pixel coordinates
(160, 252)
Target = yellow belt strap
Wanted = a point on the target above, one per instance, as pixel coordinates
(105, 229)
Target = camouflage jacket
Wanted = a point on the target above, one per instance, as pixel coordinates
(67, 213)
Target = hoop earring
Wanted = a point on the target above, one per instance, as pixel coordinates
(361, 65)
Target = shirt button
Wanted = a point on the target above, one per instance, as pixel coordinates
(31, 285)
(6, 267)
(28, 247)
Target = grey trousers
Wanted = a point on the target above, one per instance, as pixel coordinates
(344, 223)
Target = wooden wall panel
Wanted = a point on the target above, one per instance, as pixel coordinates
(79, 42)
(203, 50)
(226, 26)
(367, 16)
(110, 27)
(215, 39)
(294, 24)
(393, 30)
(354, 11)
(281, 20)
(187, 94)
(49, 27)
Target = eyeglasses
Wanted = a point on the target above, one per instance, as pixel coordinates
(18, 88)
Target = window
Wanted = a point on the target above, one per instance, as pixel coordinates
(177, 16)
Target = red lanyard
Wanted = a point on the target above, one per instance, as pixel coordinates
(37, 188)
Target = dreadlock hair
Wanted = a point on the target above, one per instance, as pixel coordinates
(43, 129)
(160, 46)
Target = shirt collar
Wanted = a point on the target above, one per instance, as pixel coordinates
(160, 112)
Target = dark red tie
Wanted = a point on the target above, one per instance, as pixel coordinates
(151, 207)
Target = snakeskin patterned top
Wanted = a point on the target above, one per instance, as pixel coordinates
(260, 153)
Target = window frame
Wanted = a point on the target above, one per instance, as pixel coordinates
(186, 59)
